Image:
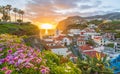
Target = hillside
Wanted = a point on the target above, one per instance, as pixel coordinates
(111, 16)
(62, 25)
(16, 29)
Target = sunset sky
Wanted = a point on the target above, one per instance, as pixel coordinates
(51, 11)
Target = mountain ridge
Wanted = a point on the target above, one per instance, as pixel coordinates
(109, 16)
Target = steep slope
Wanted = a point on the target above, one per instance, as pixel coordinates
(16, 29)
(62, 25)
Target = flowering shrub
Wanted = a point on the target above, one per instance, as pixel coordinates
(16, 58)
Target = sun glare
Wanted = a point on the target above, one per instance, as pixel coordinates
(46, 26)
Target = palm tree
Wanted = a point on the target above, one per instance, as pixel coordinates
(21, 13)
(5, 16)
(8, 8)
(15, 10)
(0, 10)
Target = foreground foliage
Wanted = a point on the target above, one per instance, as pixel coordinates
(17, 58)
(19, 30)
(94, 65)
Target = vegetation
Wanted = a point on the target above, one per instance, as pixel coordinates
(16, 58)
(111, 45)
(6, 13)
(94, 65)
(105, 26)
(15, 29)
(91, 42)
(117, 35)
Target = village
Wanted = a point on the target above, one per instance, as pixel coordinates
(87, 42)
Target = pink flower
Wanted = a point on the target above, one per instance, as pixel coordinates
(15, 58)
(2, 61)
(43, 71)
(8, 72)
(1, 49)
(6, 59)
(39, 60)
(4, 69)
(20, 61)
(27, 66)
(9, 51)
(11, 62)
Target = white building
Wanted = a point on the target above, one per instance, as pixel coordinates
(90, 32)
(92, 26)
(60, 50)
(67, 40)
(100, 40)
(81, 42)
(74, 31)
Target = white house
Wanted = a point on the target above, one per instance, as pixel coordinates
(67, 40)
(90, 32)
(81, 42)
(74, 31)
(92, 26)
(100, 40)
(60, 50)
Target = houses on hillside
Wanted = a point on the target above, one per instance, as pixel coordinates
(79, 41)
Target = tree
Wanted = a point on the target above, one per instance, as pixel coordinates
(91, 42)
(19, 21)
(8, 9)
(19, 14)
(0, 9)
(22, 13)
(15, 10)
(4, 11)
(5, 17)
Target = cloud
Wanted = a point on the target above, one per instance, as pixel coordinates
(91, 5)
(53, 10)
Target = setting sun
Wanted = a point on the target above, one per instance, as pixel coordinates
(46, 26)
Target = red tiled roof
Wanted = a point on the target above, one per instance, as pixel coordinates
(54, 47)
(81, 40)
(98, 37)
(59, 37)
(86, 47)
(81, 37)
(49, 42)
(93, 54)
